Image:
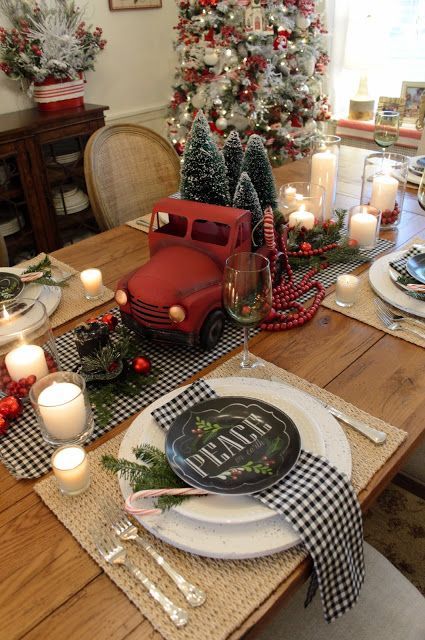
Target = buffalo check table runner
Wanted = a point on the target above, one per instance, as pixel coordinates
(321, 505)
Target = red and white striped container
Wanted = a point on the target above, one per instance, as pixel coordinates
(54, 94)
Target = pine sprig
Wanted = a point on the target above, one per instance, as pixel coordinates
(44, 265)
(156, 473)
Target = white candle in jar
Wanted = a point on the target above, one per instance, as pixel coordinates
(301, 218)
(323, 172)
(63, 410)
(363, 228)
(26, 360)
(71, 468)
(347, 288)
(384, 192)
(92, 281)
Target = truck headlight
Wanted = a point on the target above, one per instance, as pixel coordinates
(121, 297)
(176, 313)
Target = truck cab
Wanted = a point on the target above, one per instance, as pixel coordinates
(177, 295)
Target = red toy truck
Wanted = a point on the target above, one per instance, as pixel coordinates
(176, 296)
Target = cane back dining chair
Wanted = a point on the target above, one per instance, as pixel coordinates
(127, 168)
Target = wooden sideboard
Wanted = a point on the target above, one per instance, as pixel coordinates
(30, 175)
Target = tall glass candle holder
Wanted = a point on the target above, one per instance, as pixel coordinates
(363, 225)
(62, 407)
(384, 185)
(303, 197)
(27, 346)
(324, 169)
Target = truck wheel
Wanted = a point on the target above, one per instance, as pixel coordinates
(212, 329)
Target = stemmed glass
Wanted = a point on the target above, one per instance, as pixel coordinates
(421, 191)
(387, 125)
(247, 295)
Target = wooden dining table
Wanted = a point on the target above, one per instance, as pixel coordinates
(51, 588)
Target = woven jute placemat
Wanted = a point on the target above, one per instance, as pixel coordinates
(141, 223)
(364, 309)
(73, 302)
(234, 588)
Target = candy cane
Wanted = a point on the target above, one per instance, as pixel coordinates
(153, 493)
(269, 228)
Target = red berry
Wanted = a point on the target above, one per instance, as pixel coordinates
(31, 379)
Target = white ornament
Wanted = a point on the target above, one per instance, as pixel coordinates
(210, 57)
(309, 63)
(221, 123)
(198, 100)
(302, 22)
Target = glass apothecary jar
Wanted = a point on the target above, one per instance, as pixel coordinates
(302, 203)
(384, 185)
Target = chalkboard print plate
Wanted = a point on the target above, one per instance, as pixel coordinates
(232, 445)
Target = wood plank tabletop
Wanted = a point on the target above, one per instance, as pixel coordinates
(52, 589)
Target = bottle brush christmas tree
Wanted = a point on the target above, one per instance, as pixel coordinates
(254, 66)
(204, 174)
(246, 198)
(257, 166)
(233, 156)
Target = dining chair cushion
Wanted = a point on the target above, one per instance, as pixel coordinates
(127, 169)
(389, 608)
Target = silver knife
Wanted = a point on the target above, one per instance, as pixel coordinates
(378, 437)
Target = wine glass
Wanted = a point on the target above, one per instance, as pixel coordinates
(421, 191)
(387, 124)
(247, 295)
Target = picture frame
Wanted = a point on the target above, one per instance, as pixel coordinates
(411, 92)
(129, 5)
(387, 103)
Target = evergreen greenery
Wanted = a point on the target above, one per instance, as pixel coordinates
(204, 174)
(233, 156)
(246, 198)
(153, 473)
(257, 166)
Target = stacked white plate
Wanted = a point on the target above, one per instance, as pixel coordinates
(65, 158)
(74, 199)
(11, 224)
(416, 169)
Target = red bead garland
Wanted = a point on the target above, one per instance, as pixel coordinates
(286, 312)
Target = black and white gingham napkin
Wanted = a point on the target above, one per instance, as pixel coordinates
(399, 265)
(319, 503)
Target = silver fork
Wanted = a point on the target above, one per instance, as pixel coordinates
(388, 321)
(126, 530)
(395, 317)
(113, 552)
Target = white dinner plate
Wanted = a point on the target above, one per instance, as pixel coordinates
(227, 526)
(383, 285)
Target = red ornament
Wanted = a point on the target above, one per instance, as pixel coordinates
(141, 365)
(4, 425)
(352, 242)
(110, 320)
(305, 246)
(10, 407)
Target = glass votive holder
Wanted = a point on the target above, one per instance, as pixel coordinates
(347, 290)
(90, 337)
(62, 407)
(384, 185)
(27, 346)
(363, 225)
(304, 197)
(324, 169)
(71, 468)
(92, 283)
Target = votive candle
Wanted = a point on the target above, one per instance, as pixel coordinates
(62, 407)
(26, 360)
(301, 218)
(92, 282)
(347, 288)
(71, 468)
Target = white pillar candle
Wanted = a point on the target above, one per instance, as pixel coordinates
(63, 410)
(384, 192)
(92, 281)
(363, 228)
(26, 360)
(71, 468)
(347, 288)
(301, 218)
(323, 172)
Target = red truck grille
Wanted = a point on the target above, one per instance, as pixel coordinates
(149, 314)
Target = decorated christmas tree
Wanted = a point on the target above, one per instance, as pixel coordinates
(254, 66)
(204, 174)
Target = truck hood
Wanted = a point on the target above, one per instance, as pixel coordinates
(174, 273)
